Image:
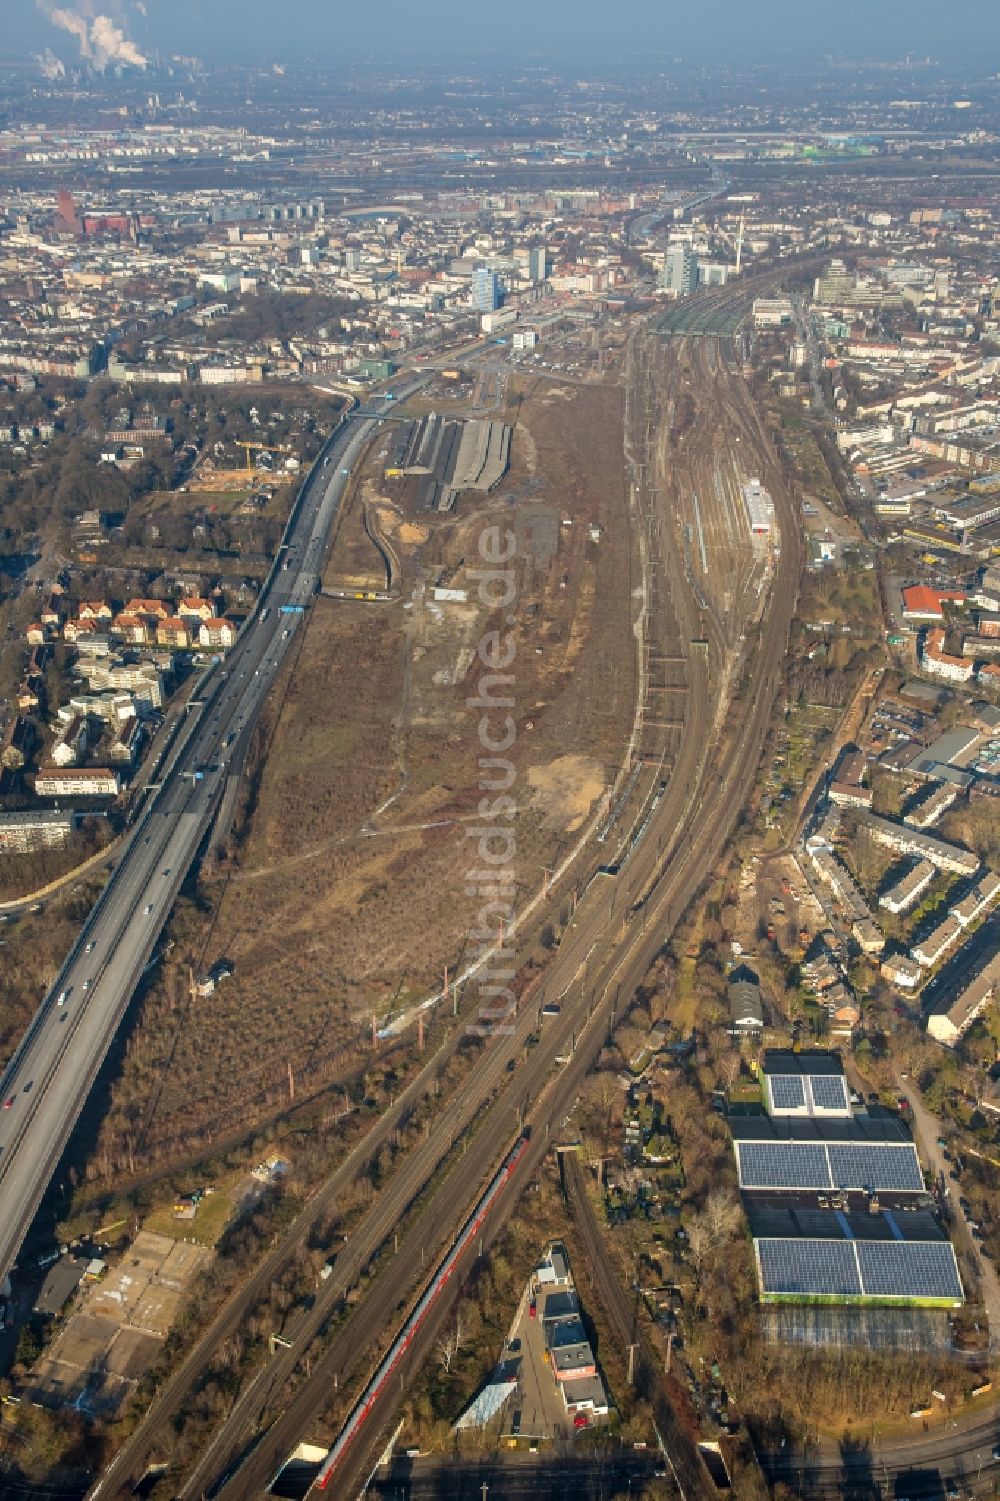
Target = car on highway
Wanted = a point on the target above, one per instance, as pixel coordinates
(166, 870)
(27, 1087)
(64, 996)
(8, 1103)
(86, 984)
(147, 909)
(89, 948)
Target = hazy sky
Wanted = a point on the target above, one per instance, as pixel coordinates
(569, 30)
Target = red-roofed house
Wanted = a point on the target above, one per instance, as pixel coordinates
(173, 632)
(923, 603)
(74, 629)
(95, 609)
(149, 609)
(217, 633)
(193, 607)
(132, 627)
(935, 659)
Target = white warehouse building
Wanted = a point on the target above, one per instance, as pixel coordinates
(759, 507)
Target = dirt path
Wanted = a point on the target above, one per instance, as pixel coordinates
(926, 1131)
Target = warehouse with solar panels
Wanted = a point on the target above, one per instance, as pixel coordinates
(866, 1155)
(804, 1084)
(828, 1256)
(835, 1197)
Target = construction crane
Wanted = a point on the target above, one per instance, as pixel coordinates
(260, 447)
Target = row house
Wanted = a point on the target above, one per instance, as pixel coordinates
(173, 632)
(131, 628)
(148, 609)
(193, 607)
(217, 633)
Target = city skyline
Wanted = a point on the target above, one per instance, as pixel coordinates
(123, 30)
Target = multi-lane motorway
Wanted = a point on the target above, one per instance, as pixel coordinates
(618, 927)
(49, 1077)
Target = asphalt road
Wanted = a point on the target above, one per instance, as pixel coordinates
(543, 1478)
(619, 926)
(901, 1469)
(44, 1086)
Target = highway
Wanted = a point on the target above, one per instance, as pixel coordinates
(619, 926)
(47, 1080)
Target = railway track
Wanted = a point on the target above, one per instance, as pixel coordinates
(690, 1473)
(628, 919)
(656, 899)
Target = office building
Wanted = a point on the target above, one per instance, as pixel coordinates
(485, 290)
(538, 263)
(680, 270)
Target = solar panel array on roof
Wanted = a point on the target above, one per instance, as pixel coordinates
(814, 1268)
(916, 1270)
(804, 1093)
(907, 1269)
(863, 1165)
(766, 1164)
(828, 1093)
(828, 1165)
(787, 1092)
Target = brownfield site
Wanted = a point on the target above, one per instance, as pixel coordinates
(340, 892)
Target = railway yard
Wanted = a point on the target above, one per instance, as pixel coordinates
(499, 758)
(711, 612)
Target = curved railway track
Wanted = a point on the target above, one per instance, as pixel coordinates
(625, 921)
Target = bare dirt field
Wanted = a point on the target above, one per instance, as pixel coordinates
(343, 892)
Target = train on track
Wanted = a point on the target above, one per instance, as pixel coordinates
(401, 1344)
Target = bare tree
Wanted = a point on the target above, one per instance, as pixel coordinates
(449, 1345)
(722, 1215)
(698, 1243)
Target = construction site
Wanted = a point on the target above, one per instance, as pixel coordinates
(446, 456)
